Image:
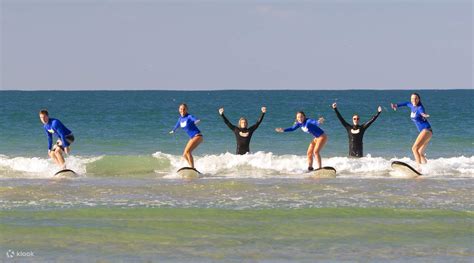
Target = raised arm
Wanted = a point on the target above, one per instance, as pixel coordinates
(368, 123)
(260, 119)
(339, 116)
(226, 121)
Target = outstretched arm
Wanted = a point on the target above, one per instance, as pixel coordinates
(367, 124)
(292, 128)
(175, 127)
(397, 105)
(423, 113)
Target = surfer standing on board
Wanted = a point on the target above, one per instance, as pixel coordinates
(243, 134)
(356, 131)
(63, 144)
(317, 143)
(419, 117)
(188, 122)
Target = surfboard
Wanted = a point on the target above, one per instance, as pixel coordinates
(188, 173)
(66, 173)
(405, 169)
(324, 172)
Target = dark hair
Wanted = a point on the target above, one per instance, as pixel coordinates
(44, 112)
(419, 98)
(184, 104)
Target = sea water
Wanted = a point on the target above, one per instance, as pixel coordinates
(128, 204)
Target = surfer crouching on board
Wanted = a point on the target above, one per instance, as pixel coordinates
(243, 134)
(419, 117)
(188, 122)
(310, 126)
(63, 144)
(356, 131)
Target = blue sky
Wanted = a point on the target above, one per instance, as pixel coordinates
(196, 45)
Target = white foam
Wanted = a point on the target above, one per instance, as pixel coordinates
(36, 167)
(264, 165)
(256, 165)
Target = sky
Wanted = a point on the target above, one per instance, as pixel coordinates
(217, 45)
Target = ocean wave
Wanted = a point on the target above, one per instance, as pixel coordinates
(227, 165)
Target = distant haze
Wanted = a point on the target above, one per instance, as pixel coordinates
(196, 45)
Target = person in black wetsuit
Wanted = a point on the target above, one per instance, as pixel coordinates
(243, 134)
(355, 132)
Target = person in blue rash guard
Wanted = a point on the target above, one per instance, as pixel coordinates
(63, 144)
(419, 117)
(312, 127)
(188, 122)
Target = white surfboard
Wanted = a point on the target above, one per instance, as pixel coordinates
(65, 173)
(324, 172)
(405, 169)
(188, 173)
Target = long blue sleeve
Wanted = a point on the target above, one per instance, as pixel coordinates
(54, 126)
(403, 104)
(50, 138)
(292, 128)
(176, 126)
(187, 123)
(192, 118)
(61, 130)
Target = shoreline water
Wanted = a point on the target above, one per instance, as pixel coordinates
(329, 234)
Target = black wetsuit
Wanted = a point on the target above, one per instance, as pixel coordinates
(355, 134)
(243, 135)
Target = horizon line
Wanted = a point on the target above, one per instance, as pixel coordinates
(188, 90)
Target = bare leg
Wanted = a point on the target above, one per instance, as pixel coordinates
(420, 145)
(190, 146)
(57, 156)
(309, 153)
(320, 142)
(422, 149)
(52, 154)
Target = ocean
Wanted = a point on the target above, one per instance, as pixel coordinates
(129, 205)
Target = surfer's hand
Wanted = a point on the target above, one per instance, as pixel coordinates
(334, 105)
(279, 129)
(379, 109)
(171, 132)
(67, 150)
(264, 109)
(221, 111)
(321, 120)
(425, 115)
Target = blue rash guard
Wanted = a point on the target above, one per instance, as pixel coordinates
(416, 111)
(308, 126)
(188, 124)
(54, 126)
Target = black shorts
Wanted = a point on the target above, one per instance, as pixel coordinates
(69, 139)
